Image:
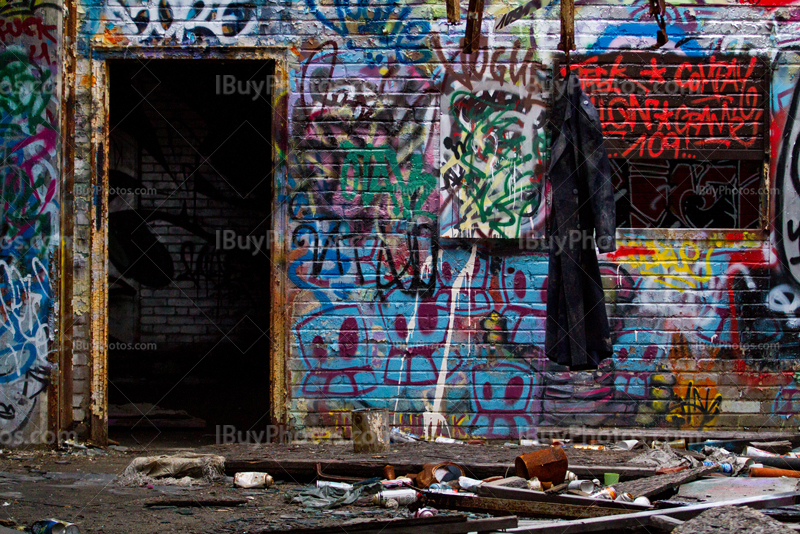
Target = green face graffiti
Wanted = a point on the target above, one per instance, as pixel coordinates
(493, 160)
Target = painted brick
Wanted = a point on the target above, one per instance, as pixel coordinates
(683, 329)
(732, 406)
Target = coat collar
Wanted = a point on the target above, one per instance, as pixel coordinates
(564, 101)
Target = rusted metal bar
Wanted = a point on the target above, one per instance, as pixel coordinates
(567, 26)
(453, 11)
(473, 33)
(523, 508)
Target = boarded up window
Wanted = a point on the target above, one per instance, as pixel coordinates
(686, 136)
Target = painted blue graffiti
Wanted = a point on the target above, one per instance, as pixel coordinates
(405, 38)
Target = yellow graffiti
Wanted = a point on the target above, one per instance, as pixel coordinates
(683, 267)
(696, 409)
(24, 8)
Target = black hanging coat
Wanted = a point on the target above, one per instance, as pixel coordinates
(577, 332)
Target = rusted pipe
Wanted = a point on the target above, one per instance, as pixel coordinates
(772, 472)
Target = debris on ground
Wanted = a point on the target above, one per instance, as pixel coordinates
(730, 519)
(333, 496)
(180, 470)
(663, 457)
(659, 484)
(317, 487)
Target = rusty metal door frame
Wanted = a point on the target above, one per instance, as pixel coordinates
(279, 323)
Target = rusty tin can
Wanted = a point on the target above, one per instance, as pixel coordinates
(548, 465)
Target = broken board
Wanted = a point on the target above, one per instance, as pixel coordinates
(445, 524)
(651, 486)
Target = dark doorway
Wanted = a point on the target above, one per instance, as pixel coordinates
(189, 240)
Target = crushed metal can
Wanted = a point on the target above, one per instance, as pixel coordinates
(426, 512)
(586, 486)
(54, 526)
(609, 493)
(625, 497)
(548, 465)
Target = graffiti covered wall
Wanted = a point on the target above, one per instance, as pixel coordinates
(416, 202)
(29, 189)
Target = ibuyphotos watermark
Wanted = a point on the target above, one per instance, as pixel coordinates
(571, 240)
(255, 244)
(262, 87)
(83, 345)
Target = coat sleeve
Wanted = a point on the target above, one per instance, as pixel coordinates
(598, 176)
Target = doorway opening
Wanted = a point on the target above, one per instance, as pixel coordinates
(190, 172)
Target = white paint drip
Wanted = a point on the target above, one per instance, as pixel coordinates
(409, 335)
(431, 420)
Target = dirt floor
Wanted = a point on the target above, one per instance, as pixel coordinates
(79, 486)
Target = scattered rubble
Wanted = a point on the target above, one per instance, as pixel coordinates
(180, 470)
(731, 520)
(622, 485)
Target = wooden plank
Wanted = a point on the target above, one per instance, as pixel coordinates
(625, 472)
(199, 502)
(664, 523)
(636, 520)
(501, 492)
(307, 468)
(362, 526)
(648, 487)
(444, 524)
(784, 513)
(453, 501)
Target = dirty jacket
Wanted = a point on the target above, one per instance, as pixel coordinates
(582, 214)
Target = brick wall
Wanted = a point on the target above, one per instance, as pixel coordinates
(30, 170)
(390, 308)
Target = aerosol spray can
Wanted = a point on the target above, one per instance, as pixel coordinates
(404, 497)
